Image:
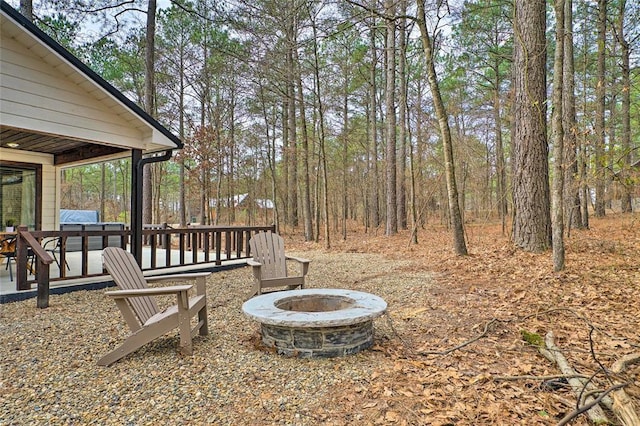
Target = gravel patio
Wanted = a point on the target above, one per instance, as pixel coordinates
(449, 351)
(49, 372)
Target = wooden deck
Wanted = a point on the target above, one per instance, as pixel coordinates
(8, 292)
(167, 251)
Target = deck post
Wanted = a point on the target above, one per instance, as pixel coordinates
(136, 204)
(21, 261)
(137, 169)
(42, 275)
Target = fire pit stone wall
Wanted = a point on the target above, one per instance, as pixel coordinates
(316, 322)
(319, 341)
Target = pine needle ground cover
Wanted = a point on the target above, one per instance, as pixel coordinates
(458, 345)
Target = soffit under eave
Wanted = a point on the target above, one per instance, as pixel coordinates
(152, 138)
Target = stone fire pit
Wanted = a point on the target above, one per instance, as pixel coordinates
(316, 322)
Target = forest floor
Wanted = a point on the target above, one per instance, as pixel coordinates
(483, 302)
(449, 350)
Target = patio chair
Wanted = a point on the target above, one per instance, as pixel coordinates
(8, 251)
(269, 264)
(53, 246)
(140, 310)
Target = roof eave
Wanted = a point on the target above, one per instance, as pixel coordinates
(95, 77)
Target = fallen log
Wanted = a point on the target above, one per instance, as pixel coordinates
(550, 351)
(623, 406)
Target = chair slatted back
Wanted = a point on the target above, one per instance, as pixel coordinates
(127, 275)
(268, 249)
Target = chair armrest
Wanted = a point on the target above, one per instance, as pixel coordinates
(47, 244)
(298, 259)
(199, 277)
(304, 264)
(257, 273)
(176, 277)
(120, 294)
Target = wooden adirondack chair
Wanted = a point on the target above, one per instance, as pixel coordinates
(140, 310)
(269, 264)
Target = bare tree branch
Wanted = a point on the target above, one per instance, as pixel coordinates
(462, 345)
(566, 419)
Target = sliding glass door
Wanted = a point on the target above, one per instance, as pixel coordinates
(20, 195)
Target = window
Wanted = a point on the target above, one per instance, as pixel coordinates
(21, 194)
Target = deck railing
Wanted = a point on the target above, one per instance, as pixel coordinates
(167, 248)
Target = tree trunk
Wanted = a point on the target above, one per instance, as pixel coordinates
(306, 181)
(292, 151)
(231, 189)
(181, 118)
(217, 131)
(558, 140)
(600, 130)
(318, 189)
(459, 243)
(345, 151)
(532, 221)
(205, 107)
(373, 128)
(323, 153)
(419, 167)
(583, 155)
(627, 183)
(390, 118)
(500, 164)
(573, 213)
(26, 9)
(149, 87)
(292, 182)
(271, 158)
(611, 140)
(402, 114)
(412, 195)
(585, 196)
(285, 157)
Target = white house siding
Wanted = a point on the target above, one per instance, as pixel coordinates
(41, 98)
(44, 91)
(50, 183)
